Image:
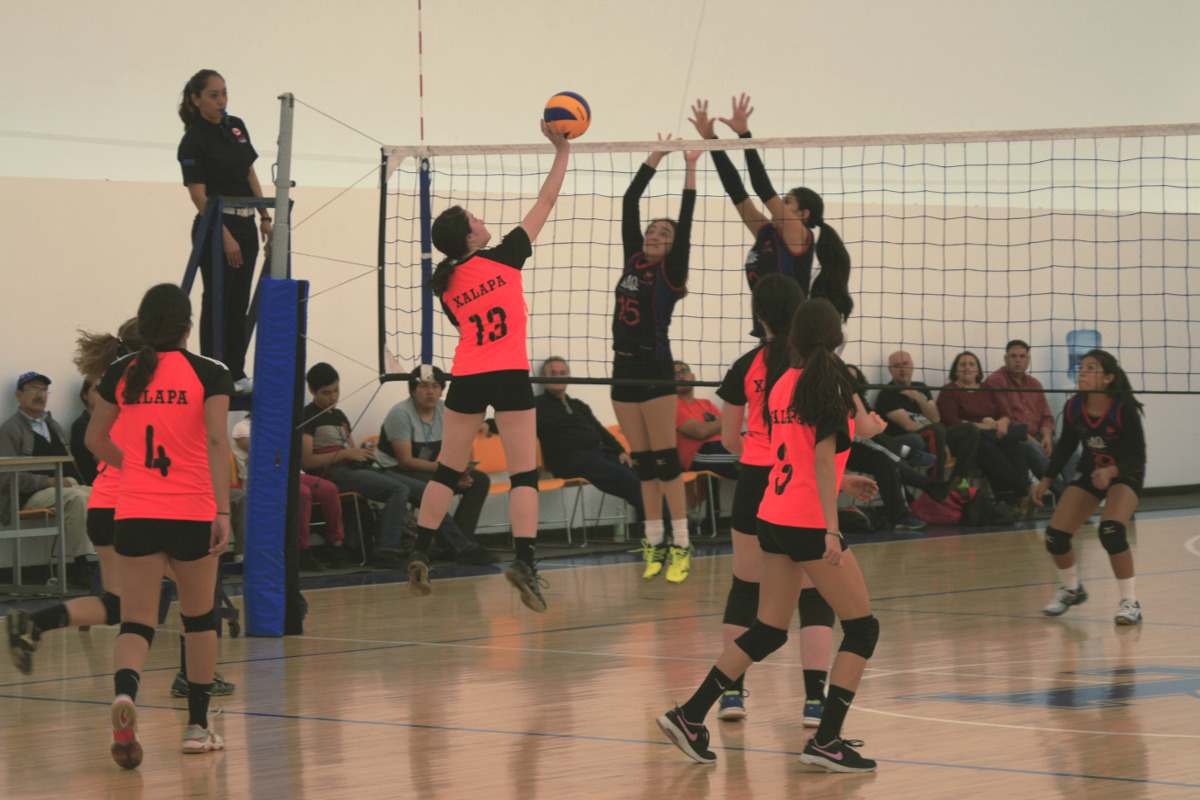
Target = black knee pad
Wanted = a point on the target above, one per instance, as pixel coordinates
(528, 478)
(741, 607)
(761, 640)
(860, 636)
(112, 608)
(643, 465)
(1112, 537)
(201, 623)
(138, 629)
(666, 464)
(1058, 543)
(446, 476)
(814, 610)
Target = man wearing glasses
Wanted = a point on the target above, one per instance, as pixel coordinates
(32, 431)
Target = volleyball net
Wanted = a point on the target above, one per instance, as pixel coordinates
(1067, 239)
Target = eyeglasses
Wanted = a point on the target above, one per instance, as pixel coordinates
(36, 392)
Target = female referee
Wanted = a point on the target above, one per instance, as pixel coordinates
(811, 410)
(744, 391)
(653, 279)
(1104, 417)
(173, 504)
(218, 159)
(784, 241)
(481, 292)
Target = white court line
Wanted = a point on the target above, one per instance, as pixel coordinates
(1192, 545)
(858, 707)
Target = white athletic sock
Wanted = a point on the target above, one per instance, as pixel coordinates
(1127, 590)
(1070, 577)
(679, 530)
(654, 531)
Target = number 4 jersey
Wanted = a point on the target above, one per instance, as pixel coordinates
(486, 302)
(163, 437)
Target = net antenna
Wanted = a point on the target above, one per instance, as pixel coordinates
(1066, 238)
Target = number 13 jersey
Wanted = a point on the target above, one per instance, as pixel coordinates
(164, 438)
(485, 300)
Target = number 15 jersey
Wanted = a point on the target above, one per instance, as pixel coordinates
(485, 300)
(163, 437)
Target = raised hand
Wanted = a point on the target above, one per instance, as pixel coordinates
(703, 122)
(557, 138)
(654, 158)
(740, 121)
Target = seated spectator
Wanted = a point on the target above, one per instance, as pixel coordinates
(575, 444)
(698, 430)
(1002, 455)
(1023, 400)
(33, 431)
(879, 458)
(84, 460)
(312, 489)
(329, 451)
(411, 439)
(914, 419)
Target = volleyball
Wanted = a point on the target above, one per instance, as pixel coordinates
(570, 111)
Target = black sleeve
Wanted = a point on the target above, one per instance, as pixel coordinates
(513, 249)
(213, 375)
(733, 386)
(193, 158)
(730, 179)
(1132, 458)
(1065, 447)
(676, 262)
(839, 426)
(107, 388)
(631, 215)
(759, 179)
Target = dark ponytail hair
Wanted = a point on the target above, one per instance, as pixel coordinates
(449, 233)
(95, 352)
(833, 281)
(823, 390)
(195, 85)
(164, 317)
(1120, 386)
(775, 300)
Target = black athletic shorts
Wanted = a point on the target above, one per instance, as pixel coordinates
(181, 539)
(751, 485)
(1085, 482)
(503, 390)
(101, 526)
(798, 544)
(631, 367)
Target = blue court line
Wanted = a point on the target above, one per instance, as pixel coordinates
(618, 740)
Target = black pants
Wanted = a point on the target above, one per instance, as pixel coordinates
(883, 469)
(237, 286)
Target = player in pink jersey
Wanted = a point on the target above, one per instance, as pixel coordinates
(480, 290)
(173, 506)
(811, 409)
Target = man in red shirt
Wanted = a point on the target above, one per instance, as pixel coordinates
(698, 431)
(1029, 408)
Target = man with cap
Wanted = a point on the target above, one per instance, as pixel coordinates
(33, 431)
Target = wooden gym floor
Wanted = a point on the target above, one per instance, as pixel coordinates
(972, 692)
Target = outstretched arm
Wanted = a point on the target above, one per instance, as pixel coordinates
(728, 173)
(537, 216)
(759, 180)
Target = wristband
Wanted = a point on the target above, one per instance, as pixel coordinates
(746, 135)
(222, 513)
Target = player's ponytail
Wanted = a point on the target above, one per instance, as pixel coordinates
(833, 281)
(188, 112)
(449, 233)
(95, 352)
(823, 390)
(774, 301)
(164, 320)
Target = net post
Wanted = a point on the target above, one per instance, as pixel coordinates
(426, 184)
(281, 230)
(381, 276)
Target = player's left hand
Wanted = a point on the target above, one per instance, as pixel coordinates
(220, 535)
(833, 549)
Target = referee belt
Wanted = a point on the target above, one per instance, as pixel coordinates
(238, 212)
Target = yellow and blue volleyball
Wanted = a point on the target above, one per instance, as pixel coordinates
(570, 111)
